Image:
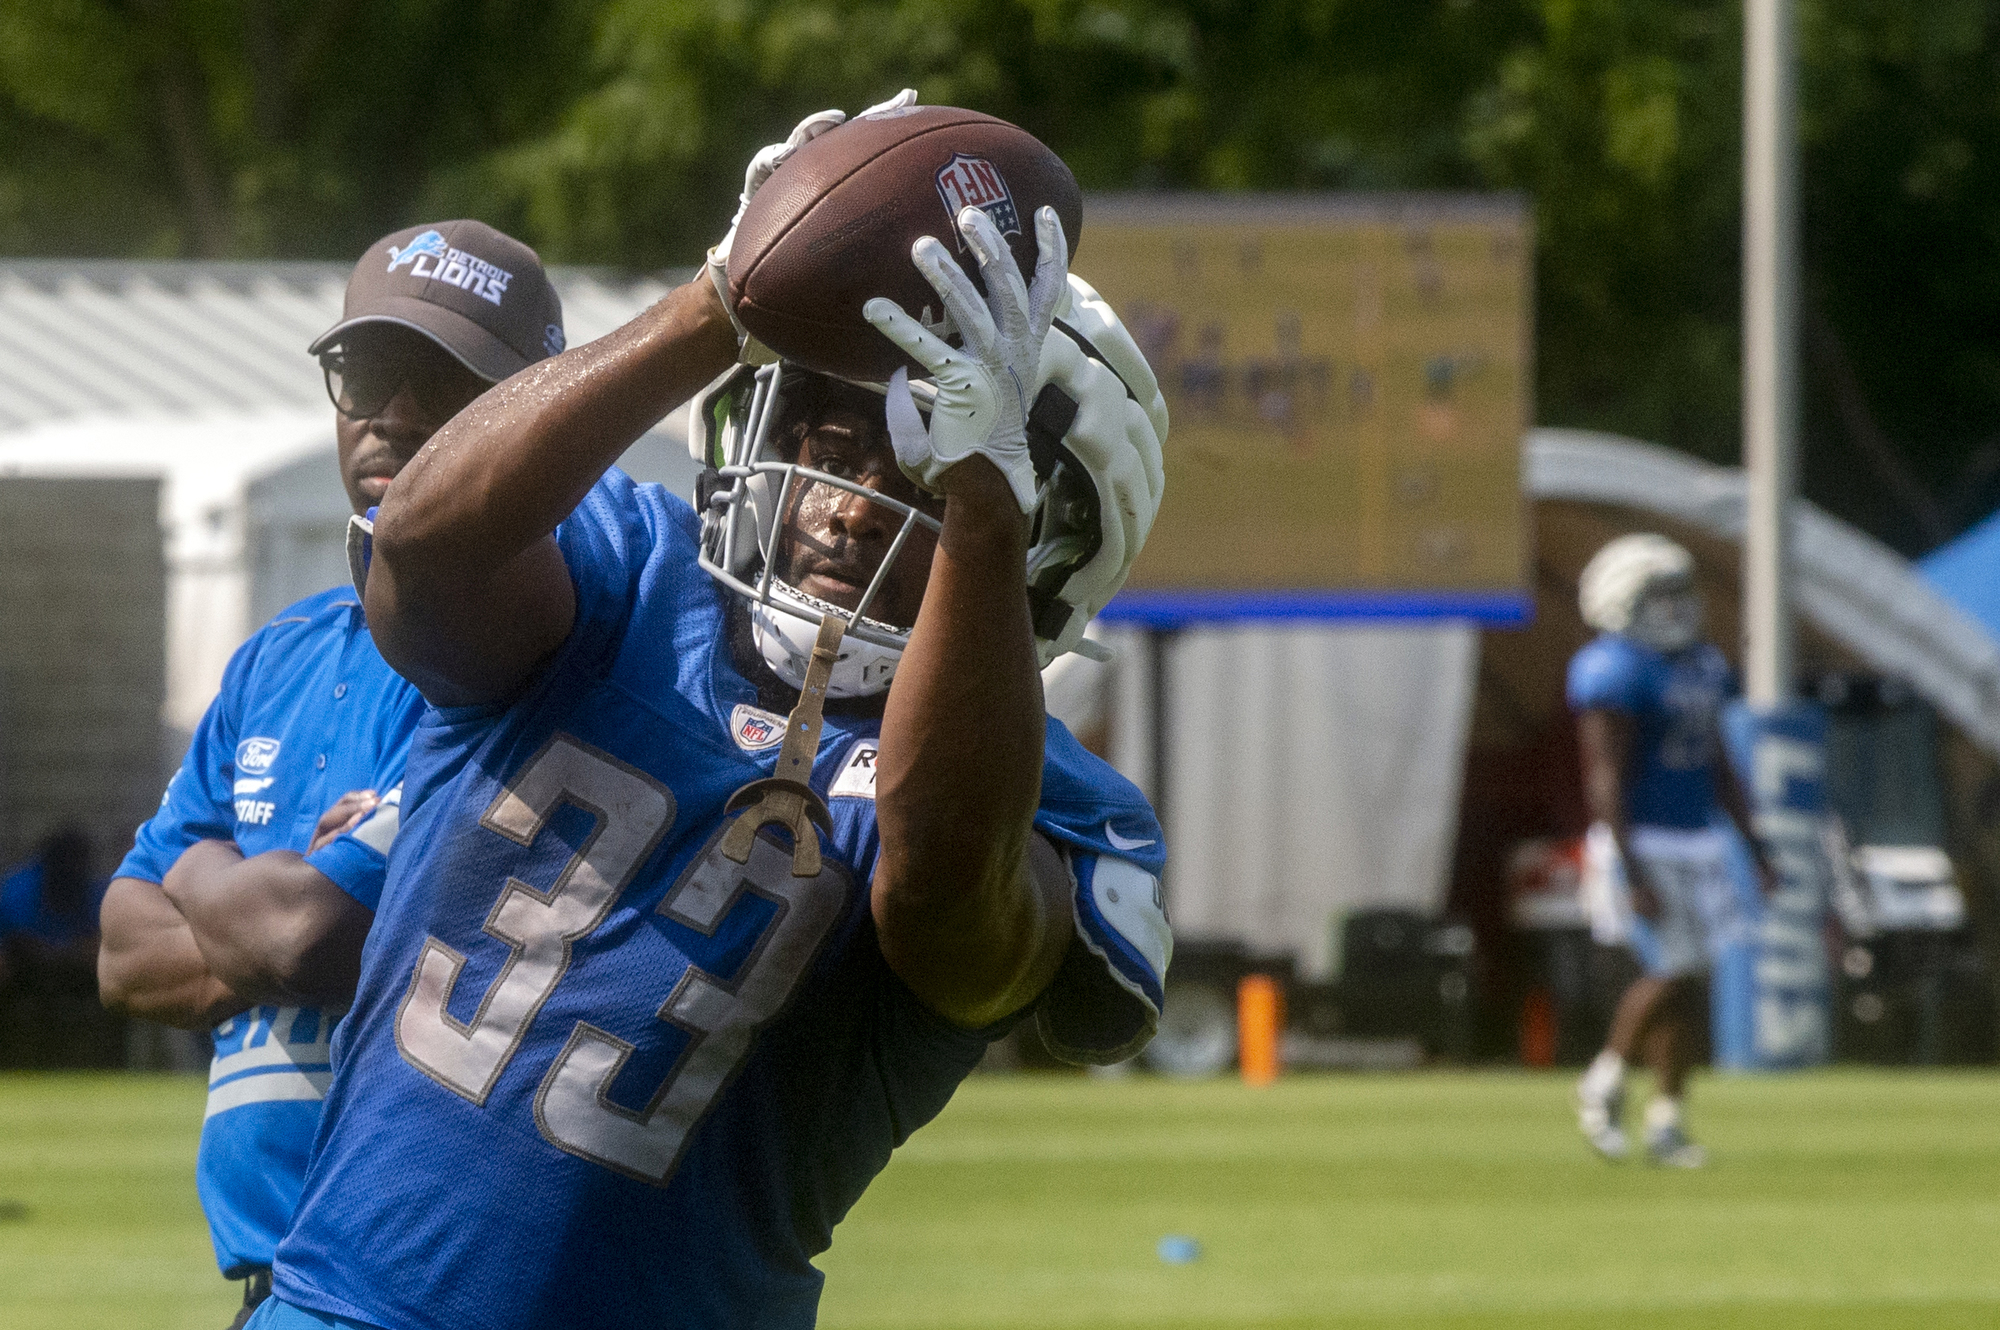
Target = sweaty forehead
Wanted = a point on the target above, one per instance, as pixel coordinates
(845, 424)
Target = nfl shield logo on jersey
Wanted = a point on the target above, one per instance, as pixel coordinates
(973, 182)
(756, 729)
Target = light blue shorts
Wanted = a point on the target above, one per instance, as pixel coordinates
(1689, 870)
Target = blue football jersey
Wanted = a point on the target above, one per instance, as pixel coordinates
(307, 712)
(598, 1074)
(1676, 701)
(1105, 1004)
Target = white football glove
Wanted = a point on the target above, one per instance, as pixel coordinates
(768, 159)
(983, 390)
(1117, 436)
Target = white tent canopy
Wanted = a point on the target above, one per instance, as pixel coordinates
(90, 339)
(1849, 585)
(205, 465)
(196, 374)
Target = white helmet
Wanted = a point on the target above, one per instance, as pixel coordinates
(1095, 432)
(1642, 586)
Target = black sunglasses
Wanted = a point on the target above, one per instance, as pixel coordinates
(362, 382)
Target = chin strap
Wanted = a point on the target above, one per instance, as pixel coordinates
(788, 798)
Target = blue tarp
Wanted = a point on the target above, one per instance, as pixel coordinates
(1967, 573)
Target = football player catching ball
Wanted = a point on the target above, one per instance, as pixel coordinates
(660, 978)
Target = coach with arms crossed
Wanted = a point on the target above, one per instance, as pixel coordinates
(244, 903)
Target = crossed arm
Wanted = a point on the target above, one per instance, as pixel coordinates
(468, 595)
(223, 933)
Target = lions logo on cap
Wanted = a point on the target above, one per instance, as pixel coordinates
(429, 243)
(973, 182)
(452, 266)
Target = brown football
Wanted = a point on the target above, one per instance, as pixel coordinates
(832, 228)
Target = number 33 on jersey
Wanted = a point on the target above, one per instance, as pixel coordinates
(573, 1108)
(582, 1021)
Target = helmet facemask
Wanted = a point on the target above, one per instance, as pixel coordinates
(743, 430)
(747, 436)
(1668, 616)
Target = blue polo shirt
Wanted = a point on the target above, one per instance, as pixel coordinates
(308, 711)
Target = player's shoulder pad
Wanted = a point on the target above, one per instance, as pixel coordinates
(619, 503)
(610, 515)
(1607, 672)
(663, 506)
(609, 541)
(1104, 1003)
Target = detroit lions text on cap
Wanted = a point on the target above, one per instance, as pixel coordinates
(479, 293)
(453, 266)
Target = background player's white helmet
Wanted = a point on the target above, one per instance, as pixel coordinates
(1642, 586)
(1095, 432)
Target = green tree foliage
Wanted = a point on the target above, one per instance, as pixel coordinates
(227, 128)
(614, 131)
(1622, 121)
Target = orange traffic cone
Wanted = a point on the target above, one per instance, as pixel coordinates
(1260, 1017)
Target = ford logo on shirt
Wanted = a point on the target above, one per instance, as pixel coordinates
(254, 756)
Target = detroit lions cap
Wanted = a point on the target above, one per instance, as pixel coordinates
(477, 292)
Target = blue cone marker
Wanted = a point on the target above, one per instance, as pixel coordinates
(1178, 1250)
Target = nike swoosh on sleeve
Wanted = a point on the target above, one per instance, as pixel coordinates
(1118, 842)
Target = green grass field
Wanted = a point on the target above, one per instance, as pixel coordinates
(1841, 1199)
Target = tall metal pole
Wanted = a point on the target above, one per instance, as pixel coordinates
(1770, 343)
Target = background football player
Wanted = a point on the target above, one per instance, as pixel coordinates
(1648, 695)
(270, 873)
(672, 1055)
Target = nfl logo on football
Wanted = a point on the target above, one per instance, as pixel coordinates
(973, 182)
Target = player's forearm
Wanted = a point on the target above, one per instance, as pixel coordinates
(1735, 801)
(1606, 801)
(960, 768)
(272, 927)
(509, 468)
(467, 593)
(1604, 739)
(959, 772)
(1607, 738)
(149, 966)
